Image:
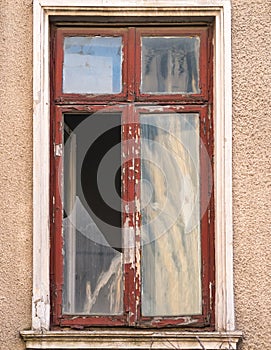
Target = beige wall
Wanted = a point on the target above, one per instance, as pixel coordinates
(15, 170)
(251, 29)
(251, 170)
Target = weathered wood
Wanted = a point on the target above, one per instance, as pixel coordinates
(221, 11)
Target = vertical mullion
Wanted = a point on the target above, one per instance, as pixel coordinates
(128, 209)
(131, 65)
(129, 220)
(138, 66)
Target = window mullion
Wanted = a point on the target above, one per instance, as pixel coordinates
(131, 64)
(129, 217)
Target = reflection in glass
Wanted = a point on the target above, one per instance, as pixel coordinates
(92, 65)
(170, 208)
(170, 65)
(93, 272)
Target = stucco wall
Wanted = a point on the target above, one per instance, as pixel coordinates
(15, 170)
(251, 170)
(251, 30)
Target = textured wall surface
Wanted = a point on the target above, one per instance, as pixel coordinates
(15, 170)
(251, 170)
(251, 30)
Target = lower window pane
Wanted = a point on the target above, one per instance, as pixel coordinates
(170, 208)
(93, 267)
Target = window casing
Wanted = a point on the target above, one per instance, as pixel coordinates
(46, 11)
(158, 90)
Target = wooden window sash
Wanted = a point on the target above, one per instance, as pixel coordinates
(77, 103)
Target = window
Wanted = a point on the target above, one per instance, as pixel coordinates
(170, 12)
(132, 180)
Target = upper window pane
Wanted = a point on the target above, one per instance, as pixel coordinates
(170, 65)
(92, 65)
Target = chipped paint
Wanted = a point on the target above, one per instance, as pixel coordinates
(41, 312)
(129, 242)
(126, 209)
(130, 195)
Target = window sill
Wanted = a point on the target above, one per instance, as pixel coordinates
(131, 339)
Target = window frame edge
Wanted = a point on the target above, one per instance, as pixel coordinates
(221, 11)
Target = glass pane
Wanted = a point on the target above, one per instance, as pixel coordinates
(170, 207)
(92, 65)
(93, 259)
(170, 65)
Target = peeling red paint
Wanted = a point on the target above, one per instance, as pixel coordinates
(131, 102)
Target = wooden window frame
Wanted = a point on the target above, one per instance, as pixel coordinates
(225, 334)
(207, 318)
(131, 80)
(202, 105)
(205, 64)
(68, 98)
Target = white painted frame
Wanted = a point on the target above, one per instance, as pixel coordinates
(221, 10)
